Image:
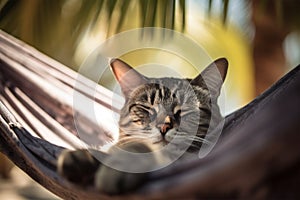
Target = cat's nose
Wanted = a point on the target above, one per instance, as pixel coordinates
(167, 125)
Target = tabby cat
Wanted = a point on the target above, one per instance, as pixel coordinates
(162, 119)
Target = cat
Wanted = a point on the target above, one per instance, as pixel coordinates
(163, 119)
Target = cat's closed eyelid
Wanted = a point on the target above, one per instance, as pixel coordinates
(139, 105)
(152, 112)
(144, 104)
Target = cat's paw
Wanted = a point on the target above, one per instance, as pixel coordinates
(81, 167)
(112, 181)
(78, 166)
(133, 175)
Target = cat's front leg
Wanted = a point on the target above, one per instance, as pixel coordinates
(134, 169)
(112, 181)
(78, 166)
(123, 170)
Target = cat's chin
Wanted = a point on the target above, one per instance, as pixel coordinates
(161, 142)
(165, 145)
(159, 145)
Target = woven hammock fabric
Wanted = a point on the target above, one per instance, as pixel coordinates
(258, 147)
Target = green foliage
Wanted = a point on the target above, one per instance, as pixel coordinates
(44, 24)
(57, 26)
(225, 4)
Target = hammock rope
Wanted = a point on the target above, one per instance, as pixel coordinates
(37, 123)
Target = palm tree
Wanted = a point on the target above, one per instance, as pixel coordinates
(39, 22)
(273, 21)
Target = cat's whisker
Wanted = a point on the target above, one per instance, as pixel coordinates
(181, 133)
(193, 138)
(194, 145)
(197, 138)
(203, 141)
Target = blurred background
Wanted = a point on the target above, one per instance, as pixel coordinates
(260, 38)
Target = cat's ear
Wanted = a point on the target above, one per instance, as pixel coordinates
(213, 76)
(127, 77)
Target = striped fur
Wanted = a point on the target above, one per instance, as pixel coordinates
(158, 112)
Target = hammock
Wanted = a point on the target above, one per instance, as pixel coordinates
(257, 153)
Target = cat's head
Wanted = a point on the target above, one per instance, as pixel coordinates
(159, 110)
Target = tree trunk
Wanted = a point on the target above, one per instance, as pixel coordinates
(268, 53)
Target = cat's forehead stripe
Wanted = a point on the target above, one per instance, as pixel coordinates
(151, 97)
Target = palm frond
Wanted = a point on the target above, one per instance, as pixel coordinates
(40, 23)
(225, 10)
